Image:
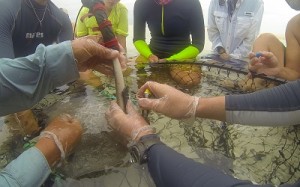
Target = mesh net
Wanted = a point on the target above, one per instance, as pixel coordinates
(260, 154)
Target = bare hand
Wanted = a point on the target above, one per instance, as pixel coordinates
(168, 101)
(153, 58)
(264, 63)
(162, 60)
(225, 56)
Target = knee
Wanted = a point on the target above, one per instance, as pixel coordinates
(267, 37)
(265, 42)
(295, 20)
(294, 24)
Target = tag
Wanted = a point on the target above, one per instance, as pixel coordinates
(250, 14)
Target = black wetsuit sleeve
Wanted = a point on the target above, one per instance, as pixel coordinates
(270, 107)
(171, 169)
(139, 20)
(197, 25)
(8, 13)
(66, 32)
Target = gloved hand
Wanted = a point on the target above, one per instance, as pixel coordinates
(130, 126)
(91, 55)
(168, 101)
(65, 133)
(264, 63)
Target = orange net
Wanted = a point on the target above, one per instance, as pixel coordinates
(187, 75)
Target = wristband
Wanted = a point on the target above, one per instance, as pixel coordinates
(139, 151)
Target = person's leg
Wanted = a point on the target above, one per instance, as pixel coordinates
(293, 43)
(269, 42)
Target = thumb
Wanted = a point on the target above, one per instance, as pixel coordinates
(130, 109)
(148, 104)
(113, 109)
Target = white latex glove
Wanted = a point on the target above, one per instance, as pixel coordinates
(91, 55)
(130, 126)
(168, 101)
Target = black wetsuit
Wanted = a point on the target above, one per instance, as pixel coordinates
(169, 168)
(276, 106)
(21, 31)
(182, 19)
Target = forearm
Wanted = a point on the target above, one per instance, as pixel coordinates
(29, 169)
(190, 52)
(271, 107)
(25, 81)
(211, 108)
(169, 168)
(288, 74)
(142, 47)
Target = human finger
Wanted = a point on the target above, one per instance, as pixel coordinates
(84, 49)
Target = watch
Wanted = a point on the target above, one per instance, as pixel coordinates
(139, 150)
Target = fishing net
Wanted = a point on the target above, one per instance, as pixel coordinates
(260, 154)
(264, 155)
(186, 75)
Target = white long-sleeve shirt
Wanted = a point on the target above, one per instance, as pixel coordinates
(235, 34)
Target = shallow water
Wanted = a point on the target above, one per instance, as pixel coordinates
(260, 154)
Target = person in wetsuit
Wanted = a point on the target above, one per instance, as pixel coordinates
(177, 34)
(24, 24)
(168, 168)
(172, 25)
